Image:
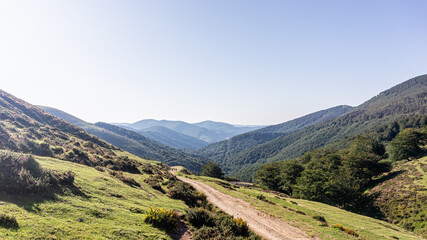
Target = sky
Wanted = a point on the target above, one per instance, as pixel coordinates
(240, 61)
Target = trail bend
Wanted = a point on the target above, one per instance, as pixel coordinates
(266, 226)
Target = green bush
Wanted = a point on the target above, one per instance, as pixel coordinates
(22, 174)
(162, 218)
(124, 164)
(8, 222)
(65, 178)
(57, 149)
(189, 195)
(237, 227)
(321, 219)
(154, 182)
(260, 197)
(125, 179)
(199, 217)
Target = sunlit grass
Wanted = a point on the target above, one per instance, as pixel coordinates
(299, 213)
(100, 209)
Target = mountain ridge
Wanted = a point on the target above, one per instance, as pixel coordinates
(208, 131)
(138, 145)
(405, 99)
(224, 150)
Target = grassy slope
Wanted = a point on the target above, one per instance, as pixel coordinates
(403, 198)
(58, 218)
(366, 227)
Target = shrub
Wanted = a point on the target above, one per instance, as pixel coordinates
(231, 179)
(65, 178)
(162, 218)
(123, 164)
(188, 194)
(125, 179)
(8, 221)
(237, 227)
(207, 233)
(260, 197)
(136, 210)
(154, 182)
(70, 155)
(200, 217)
(321, 219)
(22, 174)
(186, 171)
(345, 229)
(57, 149)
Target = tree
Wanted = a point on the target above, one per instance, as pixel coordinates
(406, 144)
(279, 176)
(211, 169)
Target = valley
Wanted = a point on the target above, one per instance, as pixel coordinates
(60, 181)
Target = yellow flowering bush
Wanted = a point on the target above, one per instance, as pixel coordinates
(163, 218)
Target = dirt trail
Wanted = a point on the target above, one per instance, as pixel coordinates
(266, 226)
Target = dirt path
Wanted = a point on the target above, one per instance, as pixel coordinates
(266, 226)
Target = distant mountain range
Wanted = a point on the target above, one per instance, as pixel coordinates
(186, 135)
(172, 138)
(242, 155)
(223, 152)
(133, 142)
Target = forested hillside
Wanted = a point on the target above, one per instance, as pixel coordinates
(404, 100)
(172, 138)
(377, 175)
(207, 131)
(225, 151)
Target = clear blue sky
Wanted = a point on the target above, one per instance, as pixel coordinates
(240, 61)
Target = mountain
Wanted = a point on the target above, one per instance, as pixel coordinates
(58, 181)
(171, 138)
(207, 131)
(232, 130)
(133, 142)
(406, 99)
(140, 145)
(224, 151)
(28, 129)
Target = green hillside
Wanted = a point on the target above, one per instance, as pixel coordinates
(59, 182)
(308, 215)
(225, 151)
(404, 100)
(98, 206)
(402, 195)
(133, 142)
(172, 138)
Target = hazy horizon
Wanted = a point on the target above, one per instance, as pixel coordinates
(239, 62)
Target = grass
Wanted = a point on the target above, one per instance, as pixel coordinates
(101, 207)
(282, 207)
(403, 196)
